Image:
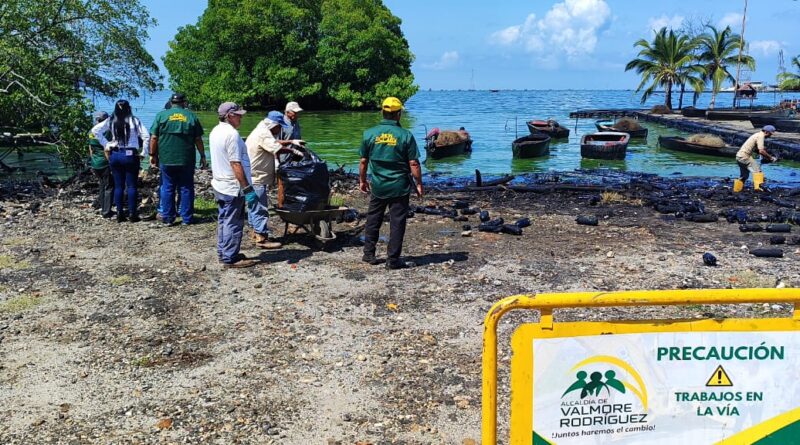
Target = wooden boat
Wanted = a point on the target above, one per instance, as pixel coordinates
(443, 151)
(788, 125)
(548, 127)
(604, 145)
(680, 144)
(693, 112)
(607, 125)
(743, 114)
(531, 146)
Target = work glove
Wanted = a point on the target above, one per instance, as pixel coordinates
(250, 196)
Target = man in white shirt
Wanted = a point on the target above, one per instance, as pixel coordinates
(231, 188)
(745, 158)
(262, 148)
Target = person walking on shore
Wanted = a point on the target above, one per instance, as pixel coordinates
(175, 134)
(128, 134)
(99, 164)
(231, 188)
(262, 148)
(390, 153)
(745, 158)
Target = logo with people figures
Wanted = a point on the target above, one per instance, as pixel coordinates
(595, 385)
(606, 381)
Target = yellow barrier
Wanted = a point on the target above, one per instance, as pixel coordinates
(546, 303)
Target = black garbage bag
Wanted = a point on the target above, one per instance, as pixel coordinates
(701, 217)
(709, 259)
(767, 252)
(777, 239)
(779, 228)
(304, 185)
(750, 228)
(523, 222)
(585, 220)
(484, 215)
(511, 229)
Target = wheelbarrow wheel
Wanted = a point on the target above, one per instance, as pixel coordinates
(325, 230)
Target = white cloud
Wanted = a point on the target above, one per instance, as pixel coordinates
(732, 19)
(765, 47)
(674, 22)
(570, 28)
(448, 60)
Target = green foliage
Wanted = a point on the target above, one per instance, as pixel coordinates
(664, 62)
(719, 51)
(55, 52)
(791, 81)
(325, 53)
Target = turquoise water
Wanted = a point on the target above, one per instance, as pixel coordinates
(494, 120)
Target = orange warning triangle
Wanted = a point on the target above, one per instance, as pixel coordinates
(719, 378)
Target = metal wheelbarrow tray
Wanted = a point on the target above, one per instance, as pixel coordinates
(317, 222)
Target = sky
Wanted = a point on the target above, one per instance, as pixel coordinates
(544, 44)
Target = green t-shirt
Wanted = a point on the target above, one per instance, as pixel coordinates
(389, 148)
(98, 159)
(176, 129)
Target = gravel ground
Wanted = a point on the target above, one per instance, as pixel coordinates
(133, 333)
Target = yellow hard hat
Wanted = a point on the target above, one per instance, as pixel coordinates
(392, 104)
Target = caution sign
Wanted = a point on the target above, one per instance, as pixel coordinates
(719, 378)
(656, 383)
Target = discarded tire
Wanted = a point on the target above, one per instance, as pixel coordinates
(586, 220)
(750, 228)
(767, 252)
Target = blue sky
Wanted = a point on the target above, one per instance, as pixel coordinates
(544, 44)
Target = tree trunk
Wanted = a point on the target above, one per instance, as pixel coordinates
(668, 98)
(680, 98)
(713, 99)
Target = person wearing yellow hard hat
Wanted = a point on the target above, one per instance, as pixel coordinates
(747, 163)
(391, 155)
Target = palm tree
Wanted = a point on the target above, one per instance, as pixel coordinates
(664, 62)
(719, 50)
(791, 81)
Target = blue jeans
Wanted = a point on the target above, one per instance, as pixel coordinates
(258, 214)
(230, 226)
(180, 178)
(125, 170)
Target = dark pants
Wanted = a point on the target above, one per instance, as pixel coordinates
(744, 171)
(125, 170)
(180, 178)
(398, 213)
(230, 226)
(105, 195)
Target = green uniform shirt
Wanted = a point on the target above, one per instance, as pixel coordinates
(98, 160)
(389, 148)
(176, 129)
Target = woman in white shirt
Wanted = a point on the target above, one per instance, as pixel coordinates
(123, 153)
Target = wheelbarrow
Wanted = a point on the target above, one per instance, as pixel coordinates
(316, 222)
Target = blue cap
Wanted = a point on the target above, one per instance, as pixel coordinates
(769, 128)
(277, 117)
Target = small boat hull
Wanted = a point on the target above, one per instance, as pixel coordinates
(445, 151)
(605, 145)
(693, 112)
(680, 144)
(550, 128)
(605, 126)
(532, 146)
(742, 115)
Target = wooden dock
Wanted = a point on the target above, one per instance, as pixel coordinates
(735, 133)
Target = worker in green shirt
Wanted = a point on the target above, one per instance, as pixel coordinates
(175, 134)
(391, 154)
(99, 164)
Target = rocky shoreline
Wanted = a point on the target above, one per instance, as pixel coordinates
(133, 333)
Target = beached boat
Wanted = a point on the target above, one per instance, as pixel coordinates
(788, 125)
(548, 127)
(693, 112)
(604, 145)
(680, 144)
(608, 126)
(743, 114)
(444, 144)
(531, 146)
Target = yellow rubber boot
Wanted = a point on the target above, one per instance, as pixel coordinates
(738, 185)
(758, 179)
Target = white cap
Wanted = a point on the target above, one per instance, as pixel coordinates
(293, 107)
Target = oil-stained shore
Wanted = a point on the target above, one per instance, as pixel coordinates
(133, 333)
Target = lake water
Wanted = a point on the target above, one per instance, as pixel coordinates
(494, 120)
